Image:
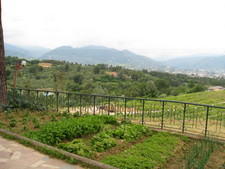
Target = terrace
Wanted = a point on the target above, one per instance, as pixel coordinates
(181, 117)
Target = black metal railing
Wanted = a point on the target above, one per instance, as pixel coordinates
(177, 116)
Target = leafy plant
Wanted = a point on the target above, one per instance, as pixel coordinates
(25, 120)
(223, 165)
(25, 128)
(200, 153)
(54, 132)
(129, 132)
(102, 142)
(76, 114)
(36, 123)
(126, 121)
(152, 153)
(12, 123)
(2, 124)
(66, 114)
(78, 147)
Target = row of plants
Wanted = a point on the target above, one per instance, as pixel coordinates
(105, 140)
(200, 154)
(154, 151)
(53, 133)
(98, 136)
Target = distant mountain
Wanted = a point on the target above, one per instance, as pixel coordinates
(24, 52)
(100, 54)
(35, 51)
(11, 50)
(198, 62)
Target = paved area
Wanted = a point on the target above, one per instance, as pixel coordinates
(16, 156)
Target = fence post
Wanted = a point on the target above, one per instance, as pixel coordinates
(94, 105)
(28, 93)
(80, 105)
(20, 93)
(37, 96)
(46, 100)
(68, 99)
(183, 125)
(143, 111)
(125, 108)
(109, 100)
(206, 121)
(57, 102)
(162, 120)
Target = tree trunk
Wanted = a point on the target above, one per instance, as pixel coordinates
(3, 86)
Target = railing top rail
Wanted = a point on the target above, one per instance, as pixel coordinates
(121, 97)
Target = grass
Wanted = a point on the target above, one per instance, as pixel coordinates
(206, 97)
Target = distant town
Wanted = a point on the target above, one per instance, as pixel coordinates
(197, 73)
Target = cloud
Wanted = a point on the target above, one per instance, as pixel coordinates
(141, 25)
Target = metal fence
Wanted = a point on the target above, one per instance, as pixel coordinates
(177, 116)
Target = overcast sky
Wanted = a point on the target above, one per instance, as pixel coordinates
(149, 27)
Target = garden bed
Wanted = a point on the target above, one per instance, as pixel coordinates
(104, 139)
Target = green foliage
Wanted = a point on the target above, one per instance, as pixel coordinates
(96, 79)
(102, 142)
(223, 165)
(2, 125)
(13, 123)
(22, 103)
(36, 123)
(25, 120)
(129, 132)
(200, 153)
(152, 153)
(126, 121)
(54, 132)
(66, 114)
(77, 146)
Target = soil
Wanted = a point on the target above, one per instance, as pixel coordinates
(177, 160)
(25, 115)
(217, 159)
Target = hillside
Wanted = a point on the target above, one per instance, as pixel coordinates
(206, 97)
(104, 79)
(99, 55)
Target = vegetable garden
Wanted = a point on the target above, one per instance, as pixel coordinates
(117, 143)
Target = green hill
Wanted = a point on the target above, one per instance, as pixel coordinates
(206, 97)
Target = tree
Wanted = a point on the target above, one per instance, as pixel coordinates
(3, 86)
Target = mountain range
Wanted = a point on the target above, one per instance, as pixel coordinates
(31, 52)
(100, 54)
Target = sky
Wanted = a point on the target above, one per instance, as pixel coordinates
(154, 28)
